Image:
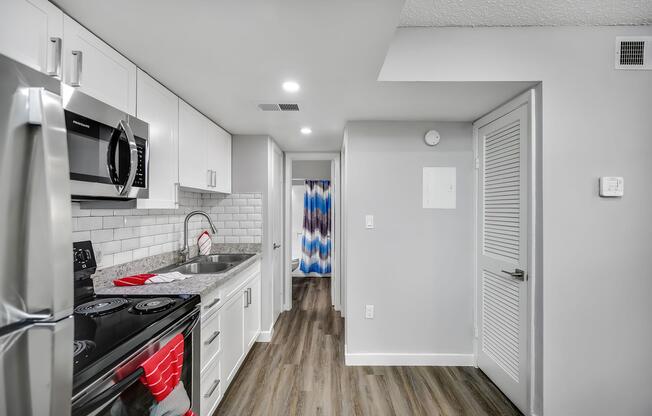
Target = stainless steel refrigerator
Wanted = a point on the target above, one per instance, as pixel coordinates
(36, 275)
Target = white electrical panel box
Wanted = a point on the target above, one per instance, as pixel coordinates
(612, 186)
(439, 187)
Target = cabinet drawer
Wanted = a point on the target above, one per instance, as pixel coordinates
(211, 340)
(210, 389)
(211, 303)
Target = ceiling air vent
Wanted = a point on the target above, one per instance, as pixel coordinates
(634, 52)
(269, 107)
(279, 107)
(289, 107)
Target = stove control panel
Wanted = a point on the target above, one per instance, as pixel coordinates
(83, 258)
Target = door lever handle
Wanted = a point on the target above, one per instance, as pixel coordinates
(517, 274)
(275, 246)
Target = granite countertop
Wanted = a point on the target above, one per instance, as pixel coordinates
(195, 284)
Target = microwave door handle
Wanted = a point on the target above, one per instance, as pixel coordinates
(133, 157)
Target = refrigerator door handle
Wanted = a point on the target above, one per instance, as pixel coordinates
(47, 234)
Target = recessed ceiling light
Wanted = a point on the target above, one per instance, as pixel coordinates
(306, 130)
(291, 86)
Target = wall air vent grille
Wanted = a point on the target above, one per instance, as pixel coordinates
(631, 52)
(634, 52)
(289, 107)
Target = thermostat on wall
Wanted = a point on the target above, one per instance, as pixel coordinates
(611, 186)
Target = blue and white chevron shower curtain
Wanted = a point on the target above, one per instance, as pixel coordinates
(316, 241)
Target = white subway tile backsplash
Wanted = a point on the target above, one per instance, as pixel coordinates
(123, 257)
(123, 235)
(100, 236)
(87, 223)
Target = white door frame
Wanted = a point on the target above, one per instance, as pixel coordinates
(335, 195)
(531, 98)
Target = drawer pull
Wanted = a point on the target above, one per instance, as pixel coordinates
(210, 340)
(212, 389)
(213, 303)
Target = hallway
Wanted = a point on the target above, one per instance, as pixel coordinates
(302, 372)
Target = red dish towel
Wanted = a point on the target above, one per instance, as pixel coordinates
(149, 278)
(135, 280)
(163, 370)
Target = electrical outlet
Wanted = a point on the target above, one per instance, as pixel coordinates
(369, 311)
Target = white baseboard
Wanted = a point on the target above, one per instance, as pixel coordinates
(393, 359)
(266, 336)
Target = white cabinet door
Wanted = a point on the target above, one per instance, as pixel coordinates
(224, 158)
(212, 153)
(252, 313)
(192, 148)
(160, 108)
(218, 157)
(29, 30)
(99, 70)
(232, 325)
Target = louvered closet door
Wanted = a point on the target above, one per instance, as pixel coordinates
(502, 352)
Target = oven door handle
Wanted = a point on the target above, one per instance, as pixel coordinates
(114, 391)
(109, 394)
(112, 155)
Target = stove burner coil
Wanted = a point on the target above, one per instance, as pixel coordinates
(153, 305)
(101, 306)
(82, 346)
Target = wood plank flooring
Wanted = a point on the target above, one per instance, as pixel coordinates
(302, 372)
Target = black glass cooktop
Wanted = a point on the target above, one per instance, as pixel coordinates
(109, 328)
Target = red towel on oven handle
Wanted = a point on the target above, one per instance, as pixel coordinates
(163, 370)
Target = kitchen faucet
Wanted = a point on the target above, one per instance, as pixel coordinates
(185, 251)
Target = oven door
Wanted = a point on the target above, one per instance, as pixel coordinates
(120, 393)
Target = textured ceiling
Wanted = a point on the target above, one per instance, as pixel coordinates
(526, 12)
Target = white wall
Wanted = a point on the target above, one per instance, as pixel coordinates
(250, 172)
(597, 334)
(311, 169)
(416, 266)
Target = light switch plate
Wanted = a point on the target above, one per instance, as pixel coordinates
(369, 221)
(369, 311)
(612, 186)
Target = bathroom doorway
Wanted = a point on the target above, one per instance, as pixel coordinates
(312, 220)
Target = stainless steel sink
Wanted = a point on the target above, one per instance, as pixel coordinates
(197, 268)
(225, 258)
(213, 264)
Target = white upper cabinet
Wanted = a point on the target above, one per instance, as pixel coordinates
(218, 157)
(192, 148)
(204, 152)
(97, 69)
(160, 108)
(31, 32)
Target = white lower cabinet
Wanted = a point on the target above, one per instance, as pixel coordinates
(210, 389)
(252, 312)
(230, 326)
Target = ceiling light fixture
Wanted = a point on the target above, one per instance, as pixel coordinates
(306, 130)
(291, 86)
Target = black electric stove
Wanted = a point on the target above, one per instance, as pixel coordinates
(110, 328)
